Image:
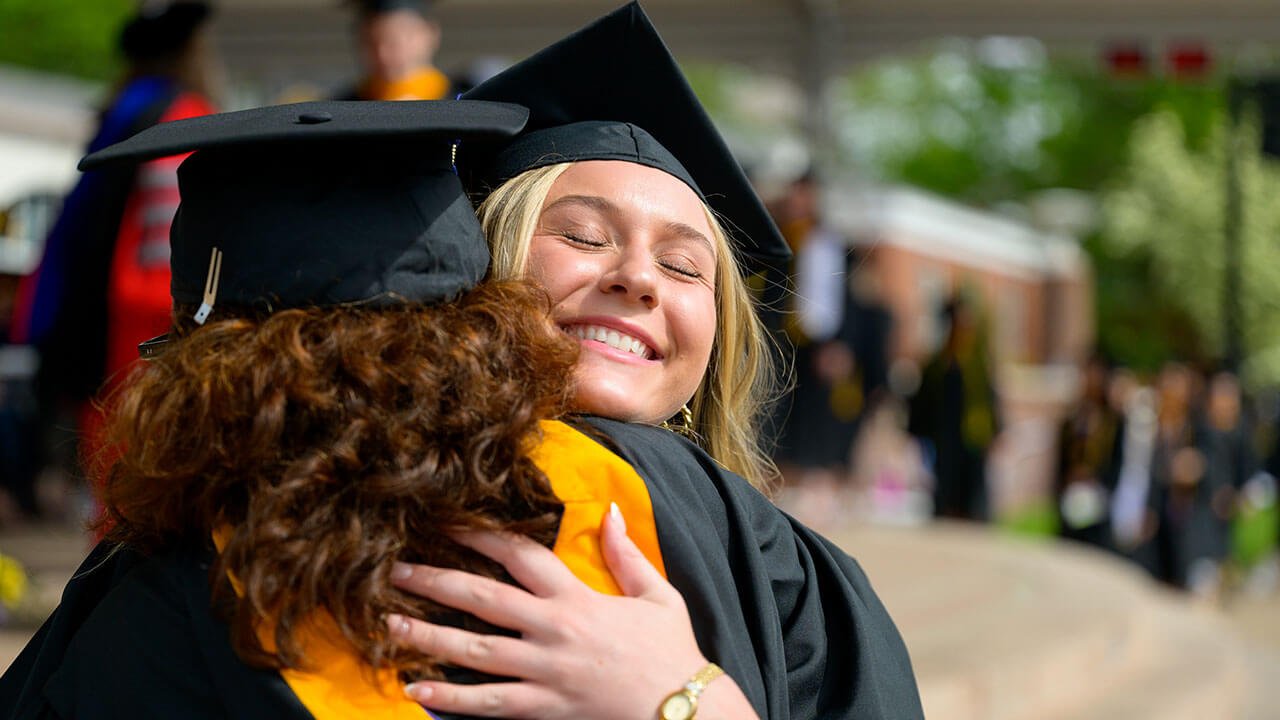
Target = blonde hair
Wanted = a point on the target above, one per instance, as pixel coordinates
(729, 404)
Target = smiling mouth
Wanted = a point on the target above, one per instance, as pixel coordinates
(614, 339)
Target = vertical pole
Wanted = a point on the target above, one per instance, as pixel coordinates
(1237, 94)
(819, 39)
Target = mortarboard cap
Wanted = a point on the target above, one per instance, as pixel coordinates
(161, 28)
(612, 91)
(369, 8)
(323, 203)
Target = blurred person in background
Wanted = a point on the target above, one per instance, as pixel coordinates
(870, 331)
(955, 414)
(1191, 537)
(1230, 455)
(103, 282)
(1088, 450)
(1133, 518)
(398, 40)
(818, 418)
(17, 396)
(1231, 462)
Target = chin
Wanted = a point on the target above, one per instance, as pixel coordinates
(616, 408)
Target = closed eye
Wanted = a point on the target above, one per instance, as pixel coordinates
(581, 240)
(684, 269)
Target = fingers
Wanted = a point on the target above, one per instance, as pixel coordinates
(504, 700)
(490, 600)
(532, 565)
(493, 654)
(635, 574)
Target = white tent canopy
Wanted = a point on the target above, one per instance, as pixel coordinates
(773, 35)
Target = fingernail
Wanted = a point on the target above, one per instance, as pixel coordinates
(417, 691)
(617, 515)
(398, 625)
(401, 571)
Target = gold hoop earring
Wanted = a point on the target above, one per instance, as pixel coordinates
(685, 427)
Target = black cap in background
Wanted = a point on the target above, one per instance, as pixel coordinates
(323, 203)
(369, 8)
(161, 29)
(612, 91)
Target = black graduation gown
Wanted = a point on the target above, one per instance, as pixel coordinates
(134, 638)
(789, 616)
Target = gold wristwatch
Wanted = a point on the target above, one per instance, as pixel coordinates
(683, 703)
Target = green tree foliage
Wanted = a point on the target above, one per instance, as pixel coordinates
(989, 122)
(75, 37)
(1168, 207)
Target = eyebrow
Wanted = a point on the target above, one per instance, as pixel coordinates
(690, 233)
(595, 202)
(599, 204)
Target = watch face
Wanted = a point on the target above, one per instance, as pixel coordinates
(678, 706)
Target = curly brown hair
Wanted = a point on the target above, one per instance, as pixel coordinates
(333, 442)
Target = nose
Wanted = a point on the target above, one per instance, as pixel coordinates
(633, 276)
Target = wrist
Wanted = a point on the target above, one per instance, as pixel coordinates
(723, 700)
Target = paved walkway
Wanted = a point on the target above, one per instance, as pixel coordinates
(51, 554)
(1008, 628)
(997, 628)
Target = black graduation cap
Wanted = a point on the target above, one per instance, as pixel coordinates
(161, 28)
(368, 8)
(612, 91)
(323, 203)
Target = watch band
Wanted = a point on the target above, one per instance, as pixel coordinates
(683, 703)
(700, 679)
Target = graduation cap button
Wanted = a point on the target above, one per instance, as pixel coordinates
(314, 118)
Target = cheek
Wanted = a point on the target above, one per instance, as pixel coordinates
(535, 268)
(694, 322)
(559, 270)
(418, 44)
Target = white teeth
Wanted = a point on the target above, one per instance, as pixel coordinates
(612, 338)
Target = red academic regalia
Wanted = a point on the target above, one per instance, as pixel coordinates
(138, 301)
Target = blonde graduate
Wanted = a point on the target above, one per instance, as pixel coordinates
(727, 408)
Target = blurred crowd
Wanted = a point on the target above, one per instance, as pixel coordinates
(858, 433)
(1174, 471)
